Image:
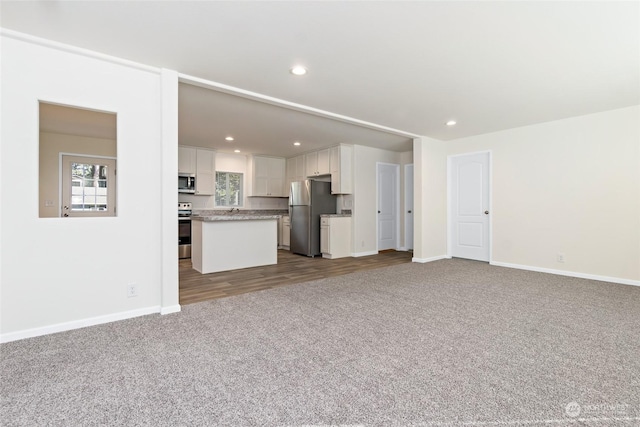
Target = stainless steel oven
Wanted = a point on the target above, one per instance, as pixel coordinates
(184, 230)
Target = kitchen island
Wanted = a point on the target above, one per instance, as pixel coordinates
(229, 242)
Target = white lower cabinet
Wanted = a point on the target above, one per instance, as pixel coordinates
(285, 239)
(284, 232)
(324, 237)
(335, 236)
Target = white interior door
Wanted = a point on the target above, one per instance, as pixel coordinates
(469, 214)
(88, 186)
(408, 207)
(388, 191)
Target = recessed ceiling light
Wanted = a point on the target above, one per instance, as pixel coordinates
(229, 138)
(451, 122)
(236, 151)
(296, 143)
(298, 70)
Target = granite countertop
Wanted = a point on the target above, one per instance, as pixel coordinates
(340, 215)
(209, 215)
(234, 217)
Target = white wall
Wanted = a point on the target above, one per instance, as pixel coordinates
(430, 199)
(57, 271)
(570, 186)
(365, 198)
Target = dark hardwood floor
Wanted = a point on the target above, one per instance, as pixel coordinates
(291, 269)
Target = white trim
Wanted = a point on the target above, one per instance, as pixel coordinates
(359, 254)
(170, 281)
(173, 309)
(435, 258)
(449, 222)
(255, 96)
(77, 324)
(569, 273)
(76, 50)
(92, 156)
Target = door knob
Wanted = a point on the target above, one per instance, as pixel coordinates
(486, 212)
(378, 211)
(408, 211)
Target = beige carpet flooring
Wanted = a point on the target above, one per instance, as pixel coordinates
(452, 342)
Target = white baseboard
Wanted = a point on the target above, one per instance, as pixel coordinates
(359, 254)
(435, 258)
(568, 273)
(77, 324)
(171, 309)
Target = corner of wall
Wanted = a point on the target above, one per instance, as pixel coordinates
(430, 200)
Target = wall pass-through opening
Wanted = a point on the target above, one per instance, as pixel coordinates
(77, 162)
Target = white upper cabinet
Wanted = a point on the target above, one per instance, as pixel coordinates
(186, 160)
(295, 170)
(311, 163)
(317, 163)
(341, 158)
(205, 172)
(268, 176)
(201, 163)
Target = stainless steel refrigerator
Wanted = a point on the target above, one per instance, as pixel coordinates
(307, 201)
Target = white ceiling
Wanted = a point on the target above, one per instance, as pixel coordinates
(404, 65)
(206, 117)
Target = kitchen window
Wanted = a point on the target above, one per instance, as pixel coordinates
(229, 189)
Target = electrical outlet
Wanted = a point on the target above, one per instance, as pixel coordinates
(132, 290)
(560, 257)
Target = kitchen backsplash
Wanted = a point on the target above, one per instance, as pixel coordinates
(343, 202)
(251, 203)
(266, 203)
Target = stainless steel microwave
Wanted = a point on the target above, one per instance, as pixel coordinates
(186, 183)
